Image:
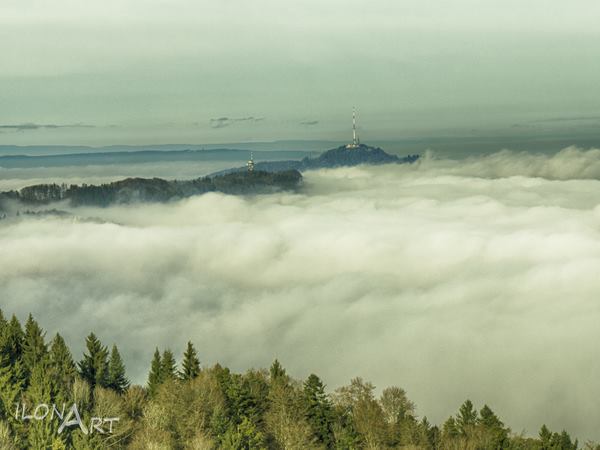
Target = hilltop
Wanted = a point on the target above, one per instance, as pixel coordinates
(341, 156)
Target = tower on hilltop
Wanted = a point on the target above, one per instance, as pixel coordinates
(250, 163)
(355, 141)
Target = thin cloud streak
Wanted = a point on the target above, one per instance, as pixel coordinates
(223, 122)
(30, 126)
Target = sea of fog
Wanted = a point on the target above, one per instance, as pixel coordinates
(453, 279)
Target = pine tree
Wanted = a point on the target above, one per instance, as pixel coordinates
(34, 347)
(94, 366)
(116, 372)
(277, 372)
(3, 324)
(12, 374)
(545, 437)
(493, 426)
(9, 390)
(168, 367)
(62, 361)
(466, 418)
(42, 389)
(154, 377)
(488, 419)
(12, 341)
(190, 367)
(450, 429)
(318, 410)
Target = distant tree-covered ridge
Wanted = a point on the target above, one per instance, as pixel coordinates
(49, 400)
(336, 157)
(156, 189)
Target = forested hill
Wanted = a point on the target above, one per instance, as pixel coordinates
(157, 189)
(187, 405)
(337, 157)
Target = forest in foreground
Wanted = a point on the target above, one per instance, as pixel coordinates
(49, 400)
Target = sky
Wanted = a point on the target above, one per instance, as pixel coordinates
(451, 279)
(183, 71)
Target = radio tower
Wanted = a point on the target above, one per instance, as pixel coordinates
(250, 163)
(355, 140)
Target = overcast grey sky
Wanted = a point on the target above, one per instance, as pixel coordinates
(157, 71)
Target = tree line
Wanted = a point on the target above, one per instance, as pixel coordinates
(184, 405)
(155, 189)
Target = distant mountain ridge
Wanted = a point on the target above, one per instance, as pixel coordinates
(140, 157)
(265, 177)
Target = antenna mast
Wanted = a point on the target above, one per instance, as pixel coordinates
(355, 141)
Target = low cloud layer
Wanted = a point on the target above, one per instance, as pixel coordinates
(569, 163)
(474, 279)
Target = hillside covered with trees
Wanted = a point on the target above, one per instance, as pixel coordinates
(185, 405)
(155, 189)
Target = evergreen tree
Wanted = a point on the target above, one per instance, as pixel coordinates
(190, 367)
(3, 324)
(12, 341)
(168, 368)
(62, 361)
(116, 372)
(450, 429)
(466, 418)
(62, 369)
(154, 377)
(277, 372)
(42, 389)
(493, 427)
(12, 374)
(94, 366)
(318, 410)
(34, 347)
(488, 419)
(9, 390)
(545, 437)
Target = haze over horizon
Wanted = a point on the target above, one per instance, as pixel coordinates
(141, 72)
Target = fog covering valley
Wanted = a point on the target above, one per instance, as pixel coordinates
(455, 279)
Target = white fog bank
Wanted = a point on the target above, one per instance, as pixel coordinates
(452, 280)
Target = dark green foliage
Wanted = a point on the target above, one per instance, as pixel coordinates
(42, 389)
(62, 360)
(42, 193)
(277, 372)
(158, 190)
(12, 373)
(493, 429)
(190, 366)
(94, 366)
(168, 366)
(466, 418)
(155, 377)
(34, 347)
(215, 408)
(450, 429)
(116, 372)
(13, 340)
(319, 411)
